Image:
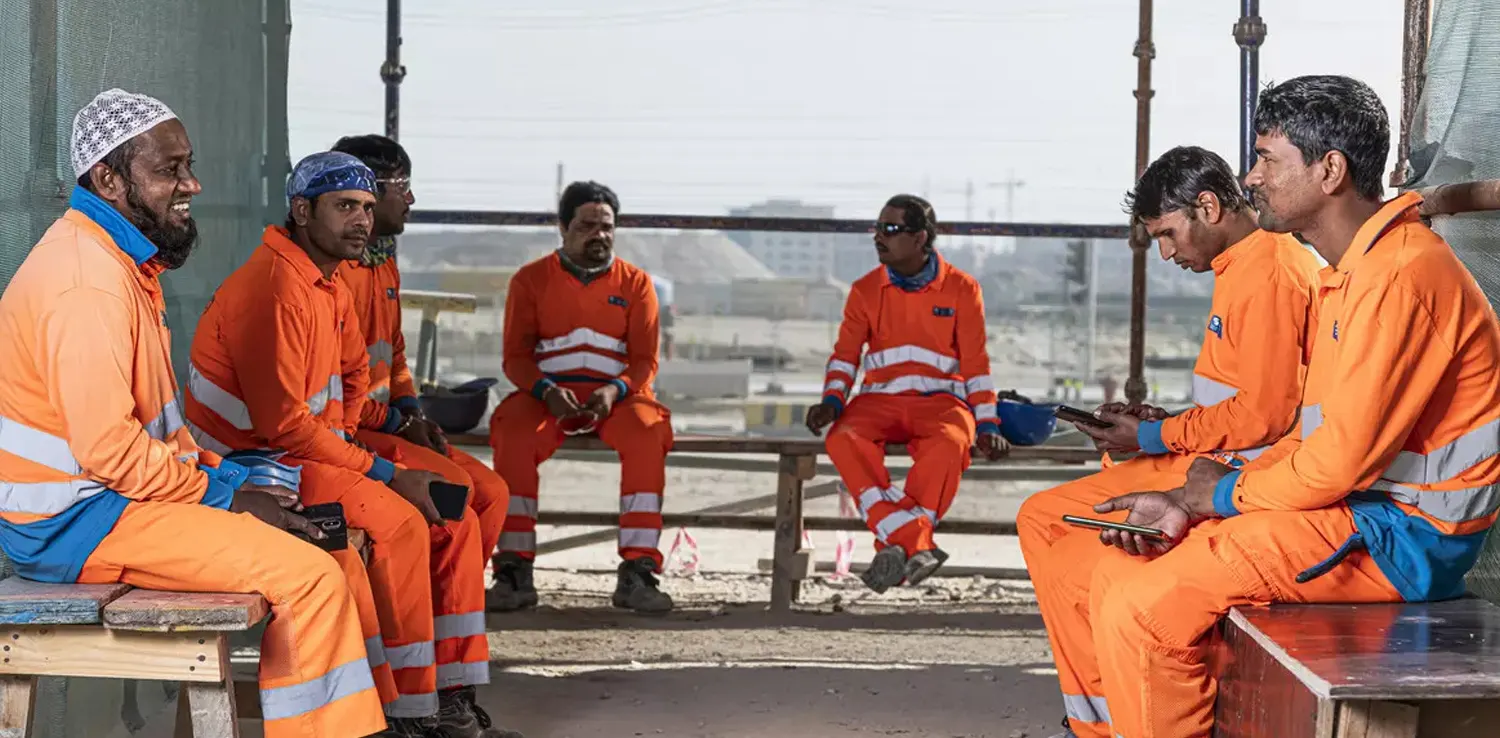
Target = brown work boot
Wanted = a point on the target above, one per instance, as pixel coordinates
(459, 716)
(513, 588)
(636, 588)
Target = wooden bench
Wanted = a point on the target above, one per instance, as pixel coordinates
(1362, 671)
(114, 631)
(797, 463)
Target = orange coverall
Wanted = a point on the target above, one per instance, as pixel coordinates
(926, 384)
(376, 292)
(1384, 492)
(100, 482)
(585, 336)
(278, 364)
(1247, 385)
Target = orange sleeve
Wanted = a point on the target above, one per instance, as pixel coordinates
(86, 339)
(521, 331)
(402, 384)
(974, 361)
(355, 366)
(642, 338)
(854, 333)
(1268, 331)
(1390, 365)
(270, 348)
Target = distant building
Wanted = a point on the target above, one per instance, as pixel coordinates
(843, 256)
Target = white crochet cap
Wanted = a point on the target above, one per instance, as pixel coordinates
(112, 118)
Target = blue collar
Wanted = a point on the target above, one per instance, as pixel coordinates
(920, 279)
(126, 236)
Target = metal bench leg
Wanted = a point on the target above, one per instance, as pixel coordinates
(208, 709)
(17, 697)
(786, 580)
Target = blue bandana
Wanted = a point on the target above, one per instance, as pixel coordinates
(329, 171)
(920, 279)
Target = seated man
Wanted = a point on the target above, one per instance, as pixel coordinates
(1383, 494)
(101, 481)
(927, 384)
(279, 366)
(581, 358)
(1247, 383)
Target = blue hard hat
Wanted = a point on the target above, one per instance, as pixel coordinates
(1026, 424)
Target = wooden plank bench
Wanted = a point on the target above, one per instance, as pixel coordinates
(1361, 671)
(797, 463)
(114, 631)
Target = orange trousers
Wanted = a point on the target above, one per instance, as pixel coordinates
(524, 435)
(427, 583)
(939, 433)
(489, 497)
(314, 673)
(1133, 637)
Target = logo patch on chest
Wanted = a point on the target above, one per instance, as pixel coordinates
(618, 301)
(942, 312)
(390, 292)
(1216, 326)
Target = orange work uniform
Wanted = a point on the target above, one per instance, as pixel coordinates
(1247, 385)
(926, 384)
(376, 291)
(581, 334)
(100, 482)
(1384, 492)
(278, 365)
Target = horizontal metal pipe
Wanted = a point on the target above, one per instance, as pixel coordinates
(767, 522)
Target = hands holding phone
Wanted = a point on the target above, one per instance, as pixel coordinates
(1164, 511)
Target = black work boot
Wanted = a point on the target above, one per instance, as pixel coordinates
(408, 727)
(636, 588)
(459, 716)
(513, 588)
(886, 570)
(923, 564)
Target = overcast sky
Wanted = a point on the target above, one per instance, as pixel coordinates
(701, 105)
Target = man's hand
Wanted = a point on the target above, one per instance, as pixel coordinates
(424, 433)
(561, 402)
(601, 402)
(993, 446)
(1202, 479)
(1163, 511)
(268, 509)
(287, 498)
(359, 444)
(820, 416)
(1119, 437)
(1144, 412)
(412, 485)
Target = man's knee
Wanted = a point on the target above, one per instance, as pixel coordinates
(308, 572)
(845, 443)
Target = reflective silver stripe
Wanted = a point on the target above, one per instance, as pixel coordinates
(926, 512)
(380, 394)
(1452, 506)
(167, 422)
(915, 382)
(463, 675)
(518, 541)
(202, 438)
(985, 412)
(913, 354)
(872, 495)
(640, 502)
(410, 656)
(298, 699)
(1084, 708)
(1447, 461)
(1312, 419)
(37, 446)
(893, 522)
(334, 390)
(639, 537)
(837, 385)
(45, 498)
(381, 352)
(1208, 392)
(375, 651)
(579, 338)
(341, 433)
(835, 365)
(413, 706)
(979, 384)
(522, 506)
(461, 625)
(219, 400)
(582, 360)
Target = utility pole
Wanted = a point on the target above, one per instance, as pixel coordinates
(1249, 33)
(392, 71)
(1010, 184)
(1145, 51)
(557, 196)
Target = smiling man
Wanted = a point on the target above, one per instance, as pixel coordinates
(1247, 385)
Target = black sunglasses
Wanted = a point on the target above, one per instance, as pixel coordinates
(891, 229)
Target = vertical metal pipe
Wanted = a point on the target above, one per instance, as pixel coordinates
(1413, 79)
(392, 71)
(1249, 33)
(1145, 51)
(277, 166)
(44, 187)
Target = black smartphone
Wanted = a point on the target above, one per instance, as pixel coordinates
(449, 499)
(328, 518)
(1151, 533)
(1080, 417)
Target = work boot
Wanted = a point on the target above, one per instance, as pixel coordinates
(924, 564)
(513, 588)
(886, 570)
(636, 588)
(459, 716)
(408, 727)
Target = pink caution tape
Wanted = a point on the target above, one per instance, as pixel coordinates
(843, 553)
(685, 565)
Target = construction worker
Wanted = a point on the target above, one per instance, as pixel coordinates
(1247, 383)
(278, 365)
(393, 423)
(581, 340)
(100, 481)
(1385, 491)
(926, 384)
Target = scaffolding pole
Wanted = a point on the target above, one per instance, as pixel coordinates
(392, 71)
(1145, 51)
(1416, 31)
(1249, 33)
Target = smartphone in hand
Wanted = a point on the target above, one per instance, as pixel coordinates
(450, 499)
(328, 518)
(1080, 417)
(1150, 533)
